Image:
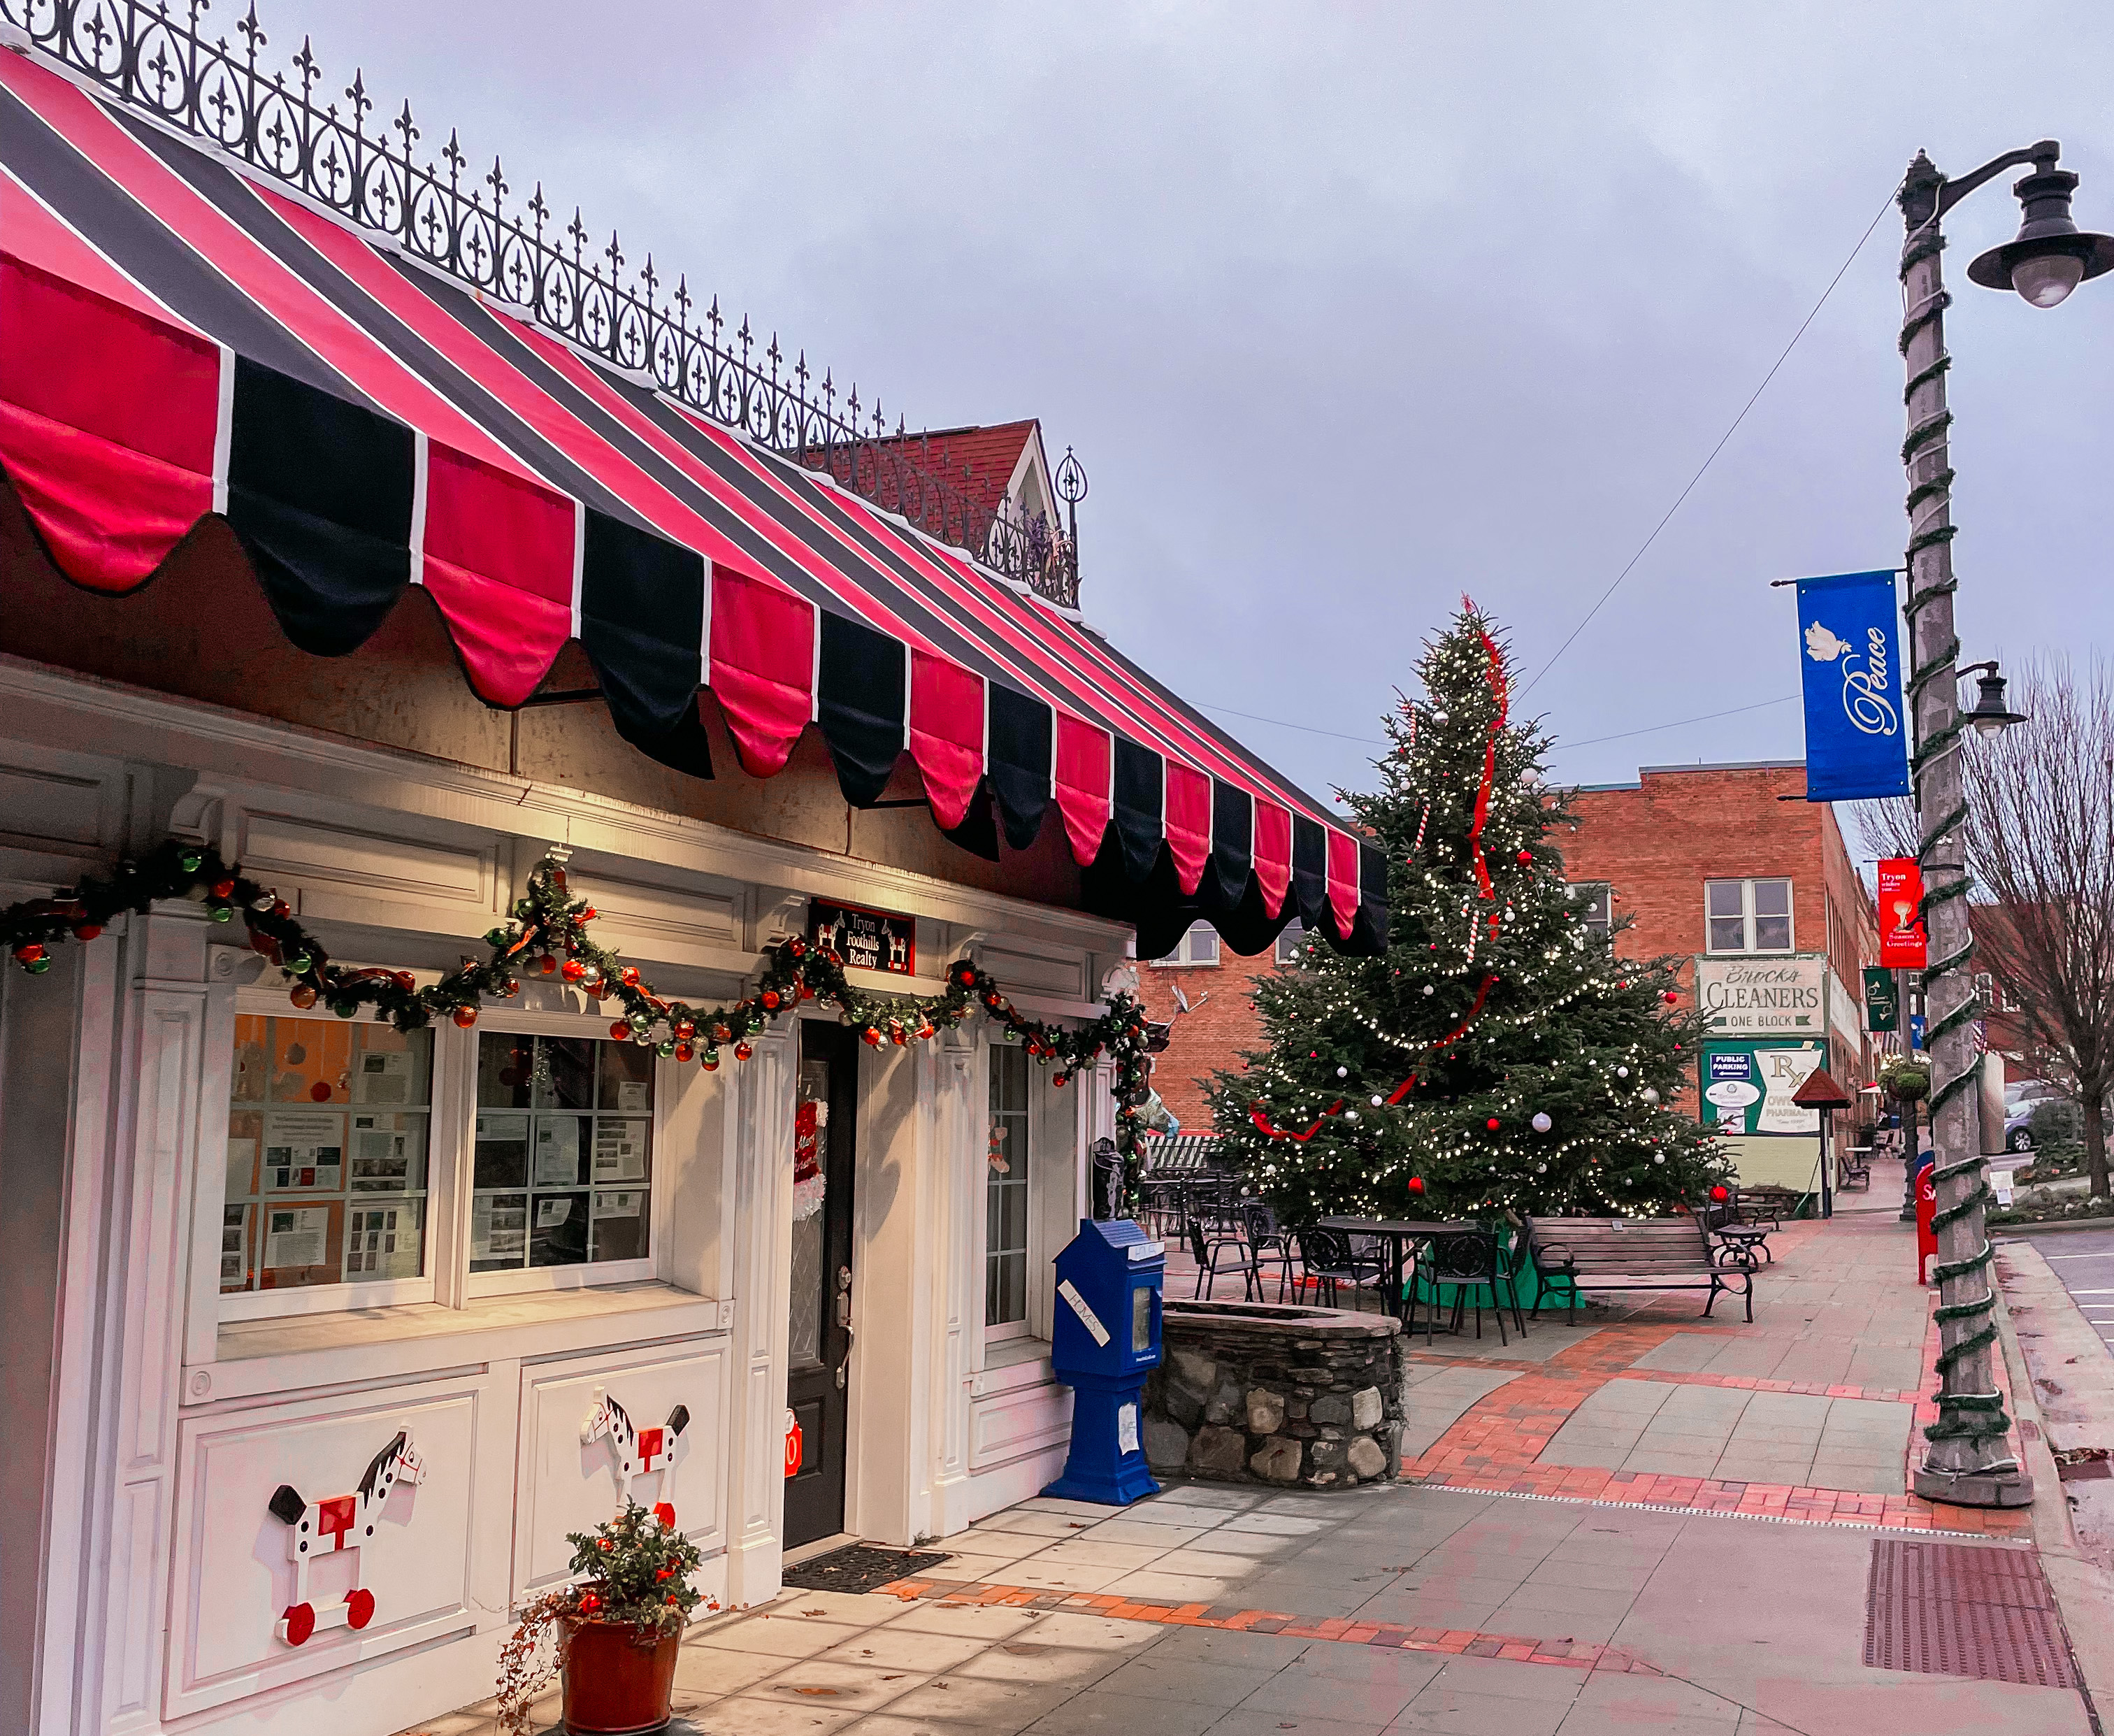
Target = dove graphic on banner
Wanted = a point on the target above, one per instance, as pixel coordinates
(1855, 746)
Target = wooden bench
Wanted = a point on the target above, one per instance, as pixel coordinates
(1627, 1253)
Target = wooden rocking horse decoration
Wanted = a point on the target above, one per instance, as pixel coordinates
(641, 1452)
(336, 1524)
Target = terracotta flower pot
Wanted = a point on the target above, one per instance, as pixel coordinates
(618, 1679)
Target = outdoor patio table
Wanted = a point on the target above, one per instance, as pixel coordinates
(1399, 1233)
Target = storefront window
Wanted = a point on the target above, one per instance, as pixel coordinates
(326, 1154)
(1005, 1190)
(562, 1169)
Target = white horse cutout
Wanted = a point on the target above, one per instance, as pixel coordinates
(641, 1452)
(336, 1523)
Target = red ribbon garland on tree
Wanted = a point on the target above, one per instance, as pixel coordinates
(1260, 1117)
(1501, 688)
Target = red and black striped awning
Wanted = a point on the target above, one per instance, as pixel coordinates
(178, 337)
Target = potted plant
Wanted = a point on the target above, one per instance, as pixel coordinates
(616, 1628)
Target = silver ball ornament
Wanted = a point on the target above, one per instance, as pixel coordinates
(1342, 1073)
(1650, 1093)
(1541, 1123)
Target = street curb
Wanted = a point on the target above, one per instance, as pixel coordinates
(2027, 1232)
(2084, 1591)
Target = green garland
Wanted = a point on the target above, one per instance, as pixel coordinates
(547, 937)
(1961, 1416)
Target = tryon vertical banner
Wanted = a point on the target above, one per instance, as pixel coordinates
(1856, 725)
(1903, 944)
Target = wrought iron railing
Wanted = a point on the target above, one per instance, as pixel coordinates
(444, 212)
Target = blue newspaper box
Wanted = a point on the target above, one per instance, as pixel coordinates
(1105, 1343)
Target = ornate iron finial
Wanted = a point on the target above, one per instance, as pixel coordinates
(1071, 479)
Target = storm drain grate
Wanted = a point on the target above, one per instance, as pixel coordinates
(1957, 1610)
(860, 1566)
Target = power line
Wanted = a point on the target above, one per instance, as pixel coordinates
(1714, 450)
(1227, 711)
(1759, 705)
(1560, 748)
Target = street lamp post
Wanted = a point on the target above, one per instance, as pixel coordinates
(1966, 1459)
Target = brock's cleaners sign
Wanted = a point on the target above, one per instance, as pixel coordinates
(1761, 997)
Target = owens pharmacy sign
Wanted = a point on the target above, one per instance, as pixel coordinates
(1762, 997)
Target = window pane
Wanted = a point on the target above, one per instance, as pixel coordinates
(1599, 909)
(1291, 944)
(327, 1148)
(1203, 945)
(1723, 896)
(1771, 897)
(1772, 934)
(1728, 934)
(556, 1184)
(1005, 1189)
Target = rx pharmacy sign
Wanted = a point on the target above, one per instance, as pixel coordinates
(1748, 1088)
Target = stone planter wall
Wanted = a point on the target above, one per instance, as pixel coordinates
(1252, 1393)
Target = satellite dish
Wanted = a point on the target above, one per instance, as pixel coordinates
(1180, 1000)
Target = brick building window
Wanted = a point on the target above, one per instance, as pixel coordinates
(1598, 911)
(1748, 915)
(1291, 942)
(1199, 946)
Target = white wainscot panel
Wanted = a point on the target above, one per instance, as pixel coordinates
(329, 872)
(682, 925)
(409, 1549)
(1004, 1425)
(1064, 978)
(570, 1484)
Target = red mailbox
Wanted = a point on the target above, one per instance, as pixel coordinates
(1926, 1205)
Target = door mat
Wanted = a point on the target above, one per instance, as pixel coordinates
(860, 1566)
(1964, 1609)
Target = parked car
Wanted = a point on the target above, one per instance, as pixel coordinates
(2021, 1096)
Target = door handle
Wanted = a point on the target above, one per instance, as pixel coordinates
(844, 1320)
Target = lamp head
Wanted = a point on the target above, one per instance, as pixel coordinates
(1991, 713)
(2050, 256)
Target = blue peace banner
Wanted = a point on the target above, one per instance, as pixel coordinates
(1856, 725)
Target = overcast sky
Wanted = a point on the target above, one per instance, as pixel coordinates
(1348, 309)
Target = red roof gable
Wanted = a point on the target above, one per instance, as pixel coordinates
(990, 454)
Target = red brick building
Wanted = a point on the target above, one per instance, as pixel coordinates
(1726, 867)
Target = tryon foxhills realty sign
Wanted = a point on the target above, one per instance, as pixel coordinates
(1762, 997)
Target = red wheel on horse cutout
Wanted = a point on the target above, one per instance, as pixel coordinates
(359, 1608)
(301, 1620)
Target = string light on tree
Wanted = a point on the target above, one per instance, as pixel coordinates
(1494, 1010)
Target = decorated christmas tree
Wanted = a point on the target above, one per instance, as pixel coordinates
(1499, 1056)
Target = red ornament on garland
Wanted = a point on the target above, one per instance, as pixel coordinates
(572, 970)
(684, 1051)
(619, 1030)
(303, 995)
(223, 889)
(466, 1016)
(742, 1052)
(872, 1036)
(87, 931)
(771, 1000)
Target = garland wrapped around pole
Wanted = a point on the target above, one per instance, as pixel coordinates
(546, 938)
(1967, 1459)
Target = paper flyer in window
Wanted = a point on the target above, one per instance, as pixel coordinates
(241, 1166)
(550, 1213)
(498, 1227)
(381, 1242)
(619, 1203)
(382, 1076)
(302, 1149)
(510, 1125)
(385, 1154)
(296, 1238)
(234, 1245)
(619, 1151)
(557, 1152)
(634, 1097)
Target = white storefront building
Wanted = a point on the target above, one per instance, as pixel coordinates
(386, 591)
